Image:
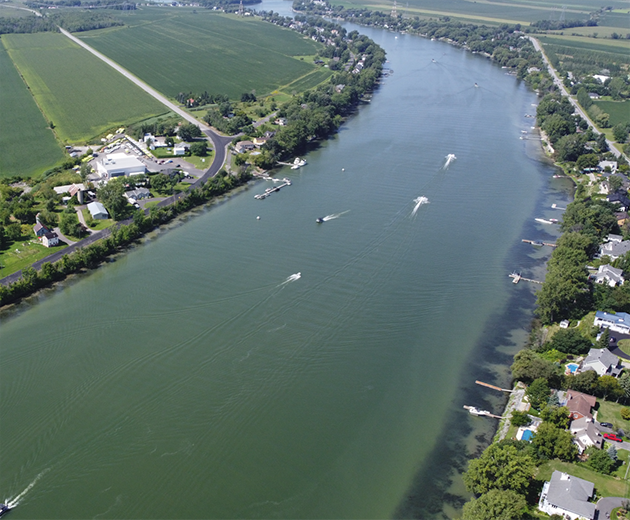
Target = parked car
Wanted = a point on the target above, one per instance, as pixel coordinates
(612, 437)
(606, 424)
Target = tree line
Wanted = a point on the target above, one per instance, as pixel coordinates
(71, 21)
(122, 235)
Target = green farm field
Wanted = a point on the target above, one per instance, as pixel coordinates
(181, 50)
(502, 11)
(619, 111)
(79, 93)
(28, 146)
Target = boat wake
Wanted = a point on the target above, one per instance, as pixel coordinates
(449, 159)
(419, 202)
(292, 278)
(334, 216)
(12, 502)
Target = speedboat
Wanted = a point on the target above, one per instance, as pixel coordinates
(4, 508)
(320, 220)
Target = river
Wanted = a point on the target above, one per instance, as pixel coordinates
(236, 367)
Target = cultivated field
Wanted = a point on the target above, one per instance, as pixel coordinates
(27, 145)
(79, 93)
(183, 50)
(619, 111)
(477, 11)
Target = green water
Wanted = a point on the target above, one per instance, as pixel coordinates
(193, 378)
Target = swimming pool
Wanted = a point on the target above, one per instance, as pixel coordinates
(572, 367)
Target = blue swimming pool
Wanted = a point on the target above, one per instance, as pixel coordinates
(573, 367)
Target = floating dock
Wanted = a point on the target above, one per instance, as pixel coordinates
(269, 191)
(538, 242)
(475, 411)
(517, 278)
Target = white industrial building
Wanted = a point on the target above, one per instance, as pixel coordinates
(119, 164)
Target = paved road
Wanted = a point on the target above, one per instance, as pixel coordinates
(558, 82)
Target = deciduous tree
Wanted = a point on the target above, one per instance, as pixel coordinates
(496, 504)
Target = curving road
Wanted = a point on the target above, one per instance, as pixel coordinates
(558, 82)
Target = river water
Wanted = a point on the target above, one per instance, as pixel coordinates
(235, 367)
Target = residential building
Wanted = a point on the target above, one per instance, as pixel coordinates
(97, 210)
(614, 249)
(567, 496)
(621, 199)
(244, 146)
(602, 361)
(612, 165)
(40, 230)
(619, 322)
(181, 148)
(585, 434)
(579, 404)
(609, 275)
(50, 239)
(138, 194)
(281, 121)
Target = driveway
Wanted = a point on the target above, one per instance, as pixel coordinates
(606, 505)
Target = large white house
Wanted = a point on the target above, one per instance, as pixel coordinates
(619, 322)
(567, 496)
(602, 361)
(609, 275)
(119, 164)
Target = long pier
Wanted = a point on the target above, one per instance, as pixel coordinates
(517, 278)
(493, 387)
(269, 191)
(538, 242)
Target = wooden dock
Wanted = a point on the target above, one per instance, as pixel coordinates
(536, 242)
(269, 191)
(517, 278)
(494, 387)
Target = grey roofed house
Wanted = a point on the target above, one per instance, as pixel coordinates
(602, 361)
(585, 434)
(97, 210)
(138, 194)
(609, 275)
(614, 249)
(621, 199)
(567, 495)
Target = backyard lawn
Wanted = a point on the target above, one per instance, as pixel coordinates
(604, 485)
(22, 254)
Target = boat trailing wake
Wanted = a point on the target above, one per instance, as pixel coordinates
(334, 216)
(449, 159)
(12, 502)
(419, 202)
(292, 278)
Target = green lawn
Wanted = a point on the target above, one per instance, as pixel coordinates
(27, 145)
(97, 225)
(79, 93)
(201, 163)
(23, 253)
(605, 486)
(611, 412)
(178, 50)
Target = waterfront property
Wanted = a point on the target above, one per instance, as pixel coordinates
(567, 495)
(609, 275)
(602, 361)
(614, 247)
(619, 322)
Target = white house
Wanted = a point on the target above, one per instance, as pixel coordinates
(119, 164)
(609, 275)
(601, 78)
(585, 434)
(180, 148)
(619, 322)
(97, 210)
(608, 164)
(567, 495)
(50, 239)
(602, 361)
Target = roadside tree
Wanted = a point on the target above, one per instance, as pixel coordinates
(111, 195)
